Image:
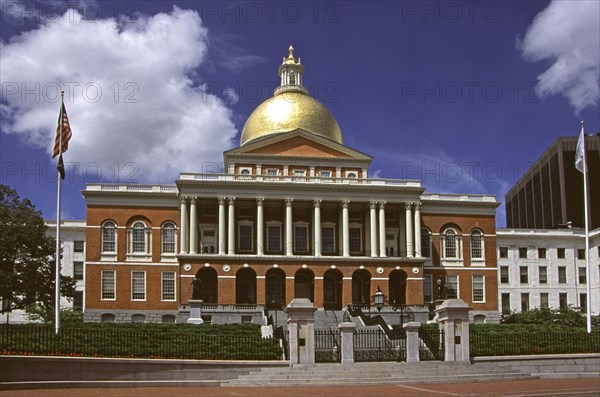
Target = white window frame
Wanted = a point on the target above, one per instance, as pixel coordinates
(301, 225)
(134, 287)
(481, 257)
(299, 175)
(163, 252)
(203, 243)
(245, 173)
(325, 174)
(104, 287)
(107, 255)
(268, 236)
(164, 280)
(272, 174)
(328, 225)
(391, 243)
(457, 259)
(482, 288)
(358, 226)
(448, 276)
(146, 254)
(249, 224)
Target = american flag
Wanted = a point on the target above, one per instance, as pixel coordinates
(66, 133)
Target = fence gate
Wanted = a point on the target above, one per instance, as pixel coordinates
(327, 346)
(377, 345)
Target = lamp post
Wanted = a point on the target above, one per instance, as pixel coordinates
(378, 298)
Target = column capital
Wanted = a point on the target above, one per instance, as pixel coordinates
(344, 203)
(408, 206)
(417, 206)
(183, 199)
(372, 205)
(382, 204)
(317, 203)
(288, 202)
(221, 200)
(231, 200)
(193, 199)
(260, 201)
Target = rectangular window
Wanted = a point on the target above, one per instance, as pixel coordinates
(245, 238)
(560, 253)
(325, 174)
(452, 287)
(541, 253)
(168, 286)
(301, 239)
(503, 252)
(355, 240)
(78, 270)
(138, 286)
(563, 302)
(544, 300)
(562, 275)
(78, 246)
(427, 289)
(543, 270)
(78, 301)
(504, 279)
(524, 302)
(505, 298)
(523, 275)
(581, 253)
(522, 252)
(478, 288)
(583, 302)
(582, 275)
(273, 238)
(328, 239)
(108, 285)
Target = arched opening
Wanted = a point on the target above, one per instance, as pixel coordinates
(275, 289)
(207, 276)
(361, 287)
(332, 290)
(304, 284)
(397, 287)
(245, 286)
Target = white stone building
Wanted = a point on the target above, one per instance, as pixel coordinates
(547, 268)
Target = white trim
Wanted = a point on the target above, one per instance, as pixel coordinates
(114, 272)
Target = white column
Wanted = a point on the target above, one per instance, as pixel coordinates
(382, 253)
(417, 230)
(231, 227)
(311, 173)
(317, 224)
(365, 173)
(373, 227)
(285, 170)
(259, 172)
(345, 230)
(288, 228)
(409, 231)
(259, 227)
(193, 226)
(183, 229)
(221, 225)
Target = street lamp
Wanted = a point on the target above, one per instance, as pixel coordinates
(378, 298)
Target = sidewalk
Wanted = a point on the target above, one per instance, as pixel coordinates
(536, 387)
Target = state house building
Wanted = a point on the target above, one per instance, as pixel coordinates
(295, 215)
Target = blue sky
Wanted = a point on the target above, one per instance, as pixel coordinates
(461, 95)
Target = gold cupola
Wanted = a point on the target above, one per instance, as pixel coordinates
(290, 108)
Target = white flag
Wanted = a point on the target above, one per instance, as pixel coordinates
(580, 151)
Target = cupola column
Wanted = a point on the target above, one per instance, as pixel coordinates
(317, 222)
(259, 227)
(183, 232)
(409, 231)
(193, 226)
(289, 251)
(417, 230)
(373, 227)
(382, 253)
(345, 230)
(231, 227)
(221, 225)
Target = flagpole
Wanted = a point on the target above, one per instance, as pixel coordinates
(587, 236)
(57, 270)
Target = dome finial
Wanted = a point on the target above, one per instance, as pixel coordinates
(291, 51)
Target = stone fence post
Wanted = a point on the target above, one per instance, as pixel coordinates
(412, 341)
(347, 333)
(301, 326)
(454, 320)
(195, 311)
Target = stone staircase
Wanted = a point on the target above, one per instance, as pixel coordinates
(366, 374)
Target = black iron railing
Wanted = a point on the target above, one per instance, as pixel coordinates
(327, 345)
(431, 343)
(376, 345)
(41, 340)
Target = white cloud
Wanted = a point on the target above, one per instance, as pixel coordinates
(131, 91)
(567, 33)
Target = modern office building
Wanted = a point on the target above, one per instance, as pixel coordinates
(550, 194)
(296, 215)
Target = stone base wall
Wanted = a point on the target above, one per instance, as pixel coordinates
(574, 364)
(125, 316)
(491, 317)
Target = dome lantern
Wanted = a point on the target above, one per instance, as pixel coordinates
(291, 71)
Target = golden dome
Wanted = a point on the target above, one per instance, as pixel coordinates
(290, 108)
(287, 111)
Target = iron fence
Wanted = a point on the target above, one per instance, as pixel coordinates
(431, 344)
(377, 345)
(41, 340)
(327, 345)
(528, 343)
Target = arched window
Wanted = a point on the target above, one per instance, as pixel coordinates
(292, 78)
(397, 287)
(476, 244)
(207, 276)
(275, 288)
(304, 284)
(107, 318)
(245, 282)
(168, 239)
(109, 237)
(479, 319)
(168, 319)
(138, 318)
(425, 243)
(361, 287)
(332, 289)
(138, 238)
(451, 244)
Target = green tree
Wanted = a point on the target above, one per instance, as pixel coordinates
(27, 256)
